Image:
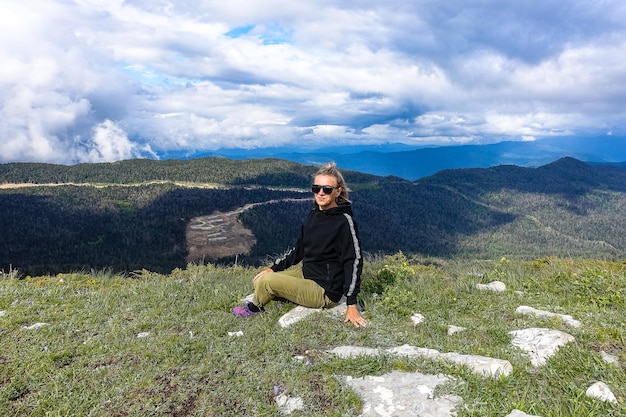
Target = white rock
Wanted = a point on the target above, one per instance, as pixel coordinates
(540, 343)
(143, 334)
(497, 286)
(295, 315)
(36, 326)
(346, 352)
(300, 312)
(482, 365)
(455, 329)
(417, 318)
(518, 413)
(412, 351)
(602, 392)
(403, 394)
(569, 320)
(236, 334)
(288, 405)
(608, 358)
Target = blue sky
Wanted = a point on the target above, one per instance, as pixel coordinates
(104, 80)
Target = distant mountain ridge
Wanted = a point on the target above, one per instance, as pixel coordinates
(410, 163)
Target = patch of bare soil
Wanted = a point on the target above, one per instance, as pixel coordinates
(219, 235)
(216, 236)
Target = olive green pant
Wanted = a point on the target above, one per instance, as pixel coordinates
(292, 286)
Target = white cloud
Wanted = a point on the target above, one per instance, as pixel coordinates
(96, 80)
(109, 143)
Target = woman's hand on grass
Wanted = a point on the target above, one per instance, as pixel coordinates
(353, 316)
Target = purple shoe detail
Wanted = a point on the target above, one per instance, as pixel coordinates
(244, 311)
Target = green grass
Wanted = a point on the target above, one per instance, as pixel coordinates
(88, 360)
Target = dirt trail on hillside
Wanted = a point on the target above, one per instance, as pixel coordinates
(219, 234)
(10, 185)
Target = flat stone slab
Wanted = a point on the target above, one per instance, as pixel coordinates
(403, 394)
(298, 313)
(569, 320)
(540, 343)
(482, 365)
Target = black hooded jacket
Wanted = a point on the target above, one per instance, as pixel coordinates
(330, 251)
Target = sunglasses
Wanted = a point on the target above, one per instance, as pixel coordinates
(326, 188)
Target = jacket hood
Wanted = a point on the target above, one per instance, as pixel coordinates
(340, 209)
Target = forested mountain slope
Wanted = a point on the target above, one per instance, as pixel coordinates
(210, 170)
(566, 208)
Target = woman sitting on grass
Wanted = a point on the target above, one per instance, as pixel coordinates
(330, 252)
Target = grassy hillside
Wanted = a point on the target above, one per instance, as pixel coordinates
(166, 345)
(566, 208)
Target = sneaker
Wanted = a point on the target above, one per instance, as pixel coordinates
(245, 311)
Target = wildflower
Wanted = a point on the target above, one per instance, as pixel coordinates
(276, 389)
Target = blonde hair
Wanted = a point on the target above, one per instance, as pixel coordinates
(330, 169)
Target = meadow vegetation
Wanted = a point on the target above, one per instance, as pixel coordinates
(149, 344)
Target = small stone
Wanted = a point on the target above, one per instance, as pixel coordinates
(608, 358)
(143, 334)
(35, 326)
(497, 286)
(602, 392)
(518, 413)
(417, 318)
(455, 329)
(288, 405)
